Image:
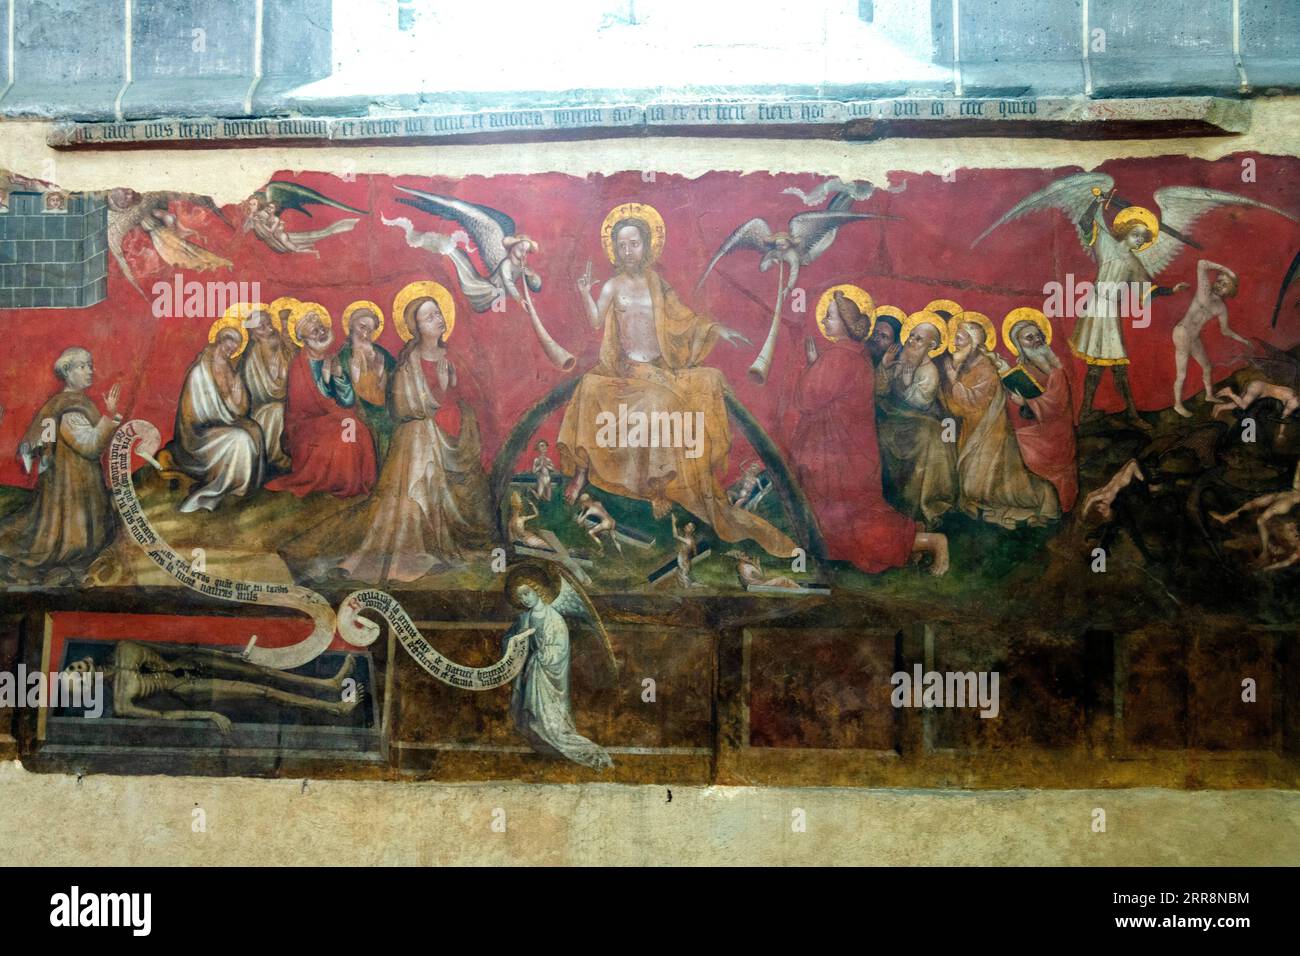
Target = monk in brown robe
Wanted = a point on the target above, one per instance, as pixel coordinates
(651, 357)
(70, 520)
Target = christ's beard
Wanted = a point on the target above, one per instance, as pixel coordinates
(631, 267)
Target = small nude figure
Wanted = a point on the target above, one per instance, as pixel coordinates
(1252, 393)
(518, 525)
(206, 678)
(746, 490)
(687, 547)
(750, 572)
(543, 470)
(589, 507)
(1207, 303)
(1272, 505)
(1103, 498)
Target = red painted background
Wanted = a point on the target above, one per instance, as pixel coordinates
(924, 256)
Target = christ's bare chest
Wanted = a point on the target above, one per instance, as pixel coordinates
(636, 321)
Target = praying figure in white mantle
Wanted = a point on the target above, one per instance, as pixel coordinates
(214, 441)
(539, 701)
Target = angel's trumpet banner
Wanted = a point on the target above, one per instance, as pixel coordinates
(357, 631)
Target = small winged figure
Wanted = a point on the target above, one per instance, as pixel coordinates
(278, 196)
(129, 210)
(1130, 252)
(546, 594)
(808, 235)
(503, 249)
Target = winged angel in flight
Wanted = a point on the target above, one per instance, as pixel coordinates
(151, 212)
(1133, 249)
(503, 249)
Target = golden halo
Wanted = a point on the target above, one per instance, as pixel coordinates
(638, 210)
(859, 296)
(946, 307)
(284, 302)
(300, 312)
(229, 321)
(357, 307)
(426, 288)
(890, 310)
(1025, 314)
(927, 318)
(241, 311)
(977, 318)
(1142, 215)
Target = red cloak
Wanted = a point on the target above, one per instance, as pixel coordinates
(1047, 439)
(838, 461)
(313, 439)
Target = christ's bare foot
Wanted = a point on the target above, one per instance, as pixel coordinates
(935, 545)
(1182, 411)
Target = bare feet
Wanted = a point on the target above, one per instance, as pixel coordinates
(1182, 411)
(345, 707)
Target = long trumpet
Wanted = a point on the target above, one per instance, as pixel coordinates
(758, 371)
(556, 353)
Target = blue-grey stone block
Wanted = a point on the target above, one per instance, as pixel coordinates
(1270, 43)
(42, 298)
(296, 51)
(7, 295)
(66, 250)
(65, 298)
(45, 251)
(1183, 47)
(193, 59)
(69, 59)
(8, 252)
(1020, 49)
(26, 250)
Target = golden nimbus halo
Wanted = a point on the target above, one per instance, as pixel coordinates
(890, 310)
(858, 295)
(358, 306)
(925, 317)
(972, 318)
(1024, 314)
(946, 308)
(278, 306)
(229, 321)
(1143, 215)
(300, 312)
(423, 289)
(634, 210)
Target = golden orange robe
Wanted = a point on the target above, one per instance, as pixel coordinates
(674, 382)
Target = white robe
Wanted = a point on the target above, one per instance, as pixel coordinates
(266, 388)
(213, 444)
(539, 702)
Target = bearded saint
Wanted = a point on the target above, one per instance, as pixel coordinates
(331, 449)
(264, 368)
(995, 484)
(1046, 433)
(214, 441)
(837, 455)
(650, 359)
(920, 468)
